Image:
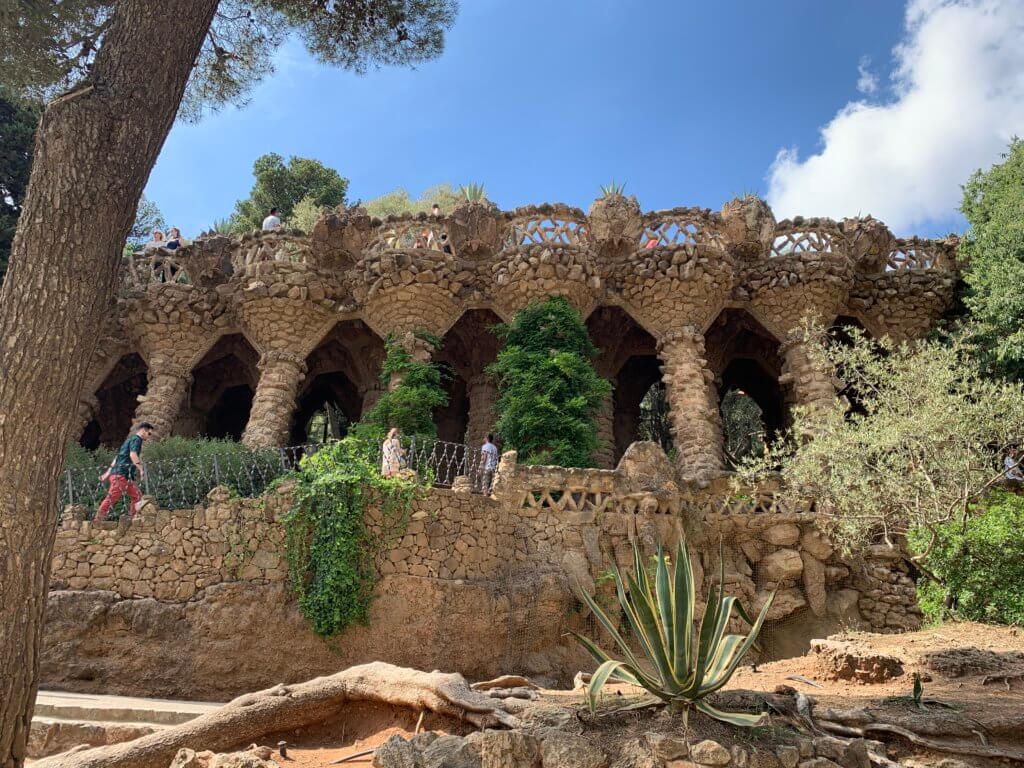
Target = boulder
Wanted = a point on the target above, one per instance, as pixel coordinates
(396, 752)
(782, 535)
(507, 749)
(814, 583)
(451, 752)
(710, 753)
(815, 542)
(783, 565)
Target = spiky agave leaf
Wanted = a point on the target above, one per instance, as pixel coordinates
(473, 192)
(660, 611)
(608, 190)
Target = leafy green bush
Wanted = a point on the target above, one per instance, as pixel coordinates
(330, 550)
(410, 405)
(548, 389)
(978, 564)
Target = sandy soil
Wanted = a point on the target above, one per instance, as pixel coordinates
(956, 661)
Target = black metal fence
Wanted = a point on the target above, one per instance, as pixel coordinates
(184, 482)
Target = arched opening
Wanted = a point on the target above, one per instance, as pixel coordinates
(343, 374)
(747, 362)
(627, 357)
(118, 396)
(223, 384)
(843, 331)
(466, 351)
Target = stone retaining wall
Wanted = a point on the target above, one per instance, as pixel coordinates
(481, 585)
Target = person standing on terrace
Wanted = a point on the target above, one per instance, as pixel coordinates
(126, 466)
(391, 454)
(489, 464)
(272, 222)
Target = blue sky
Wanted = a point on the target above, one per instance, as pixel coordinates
(689, 103)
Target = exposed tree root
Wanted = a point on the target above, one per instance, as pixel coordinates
(283, 708)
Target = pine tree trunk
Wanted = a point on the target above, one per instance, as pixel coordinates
(94, 150)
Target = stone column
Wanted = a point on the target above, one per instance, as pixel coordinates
(482, 393)
(88, 409)
(370, 396)
(167, 386)
(274, 402)
(809, 381)
(604, 456)
(693, 404)
(419, 350)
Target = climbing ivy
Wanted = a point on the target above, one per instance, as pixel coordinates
(549, 392)
(410, 405)
(330, 548)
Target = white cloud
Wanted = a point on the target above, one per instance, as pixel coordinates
(958, 99)
(867, 81)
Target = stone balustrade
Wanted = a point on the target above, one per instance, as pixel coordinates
(154, 266)
(277, 245)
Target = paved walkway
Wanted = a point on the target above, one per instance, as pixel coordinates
(120, 709)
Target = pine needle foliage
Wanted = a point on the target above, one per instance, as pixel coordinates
(678, 661)
(549, 392)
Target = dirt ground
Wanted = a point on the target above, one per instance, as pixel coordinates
(961, 666)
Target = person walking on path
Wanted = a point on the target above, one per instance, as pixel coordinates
(489, 462)
(126, 466)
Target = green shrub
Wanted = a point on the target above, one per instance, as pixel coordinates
(409, 406)
(548, 389)
(330, 550)
(978, 564)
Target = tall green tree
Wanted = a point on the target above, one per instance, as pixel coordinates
(284, 185)
(116, 74)
(993, 248)
(412, 391)
(549, 392)
(18, 121)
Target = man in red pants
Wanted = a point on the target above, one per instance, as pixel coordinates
(123, 470)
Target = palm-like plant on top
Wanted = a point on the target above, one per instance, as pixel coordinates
(678, 663)
(474, 193)
(613, 189)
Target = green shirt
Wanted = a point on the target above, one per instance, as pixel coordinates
(123, 461)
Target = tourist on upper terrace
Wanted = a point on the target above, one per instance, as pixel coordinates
(488, 463)
(174, 239)
(272, 222)
(126, 466)
(435, 210)
(157, 241)
(392, 454)
(446, 245)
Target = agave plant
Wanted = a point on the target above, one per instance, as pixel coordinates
(680, 664)
(609, 190)
(474, 193)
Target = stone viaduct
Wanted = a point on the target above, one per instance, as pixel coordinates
(248, 337)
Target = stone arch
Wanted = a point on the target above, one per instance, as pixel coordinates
(116, 399)
(467, 348)
(746, 356)
(628, 358)
(342, 380)
(220, 397)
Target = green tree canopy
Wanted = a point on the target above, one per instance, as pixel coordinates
(549, 392)
(410, 404)
(147, 218)
(284, 186)
(47, 47)
(18, 121)
(994, 249)
(398, 201)
(925, 445)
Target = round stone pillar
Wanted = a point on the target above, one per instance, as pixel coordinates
(809, 381)
(482, 394)
(693, 404)
(370, 396)
(604, 456)
(274, 402)
(167, 386)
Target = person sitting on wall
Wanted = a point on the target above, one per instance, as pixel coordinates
(391, 454)
(157, 241)
(174, 239)
(273, 221)
(126, 466)
(489, 462)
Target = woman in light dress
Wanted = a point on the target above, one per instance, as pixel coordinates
(391, 454)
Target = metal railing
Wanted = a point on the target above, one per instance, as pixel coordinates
(184, 482)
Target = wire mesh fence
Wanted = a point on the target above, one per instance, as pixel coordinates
(184, 482)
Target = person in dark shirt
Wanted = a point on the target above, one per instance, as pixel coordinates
(126, 466)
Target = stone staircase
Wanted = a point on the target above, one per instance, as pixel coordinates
(66, 720)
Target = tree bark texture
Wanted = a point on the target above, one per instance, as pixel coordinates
(94, 150)
(282, 708)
